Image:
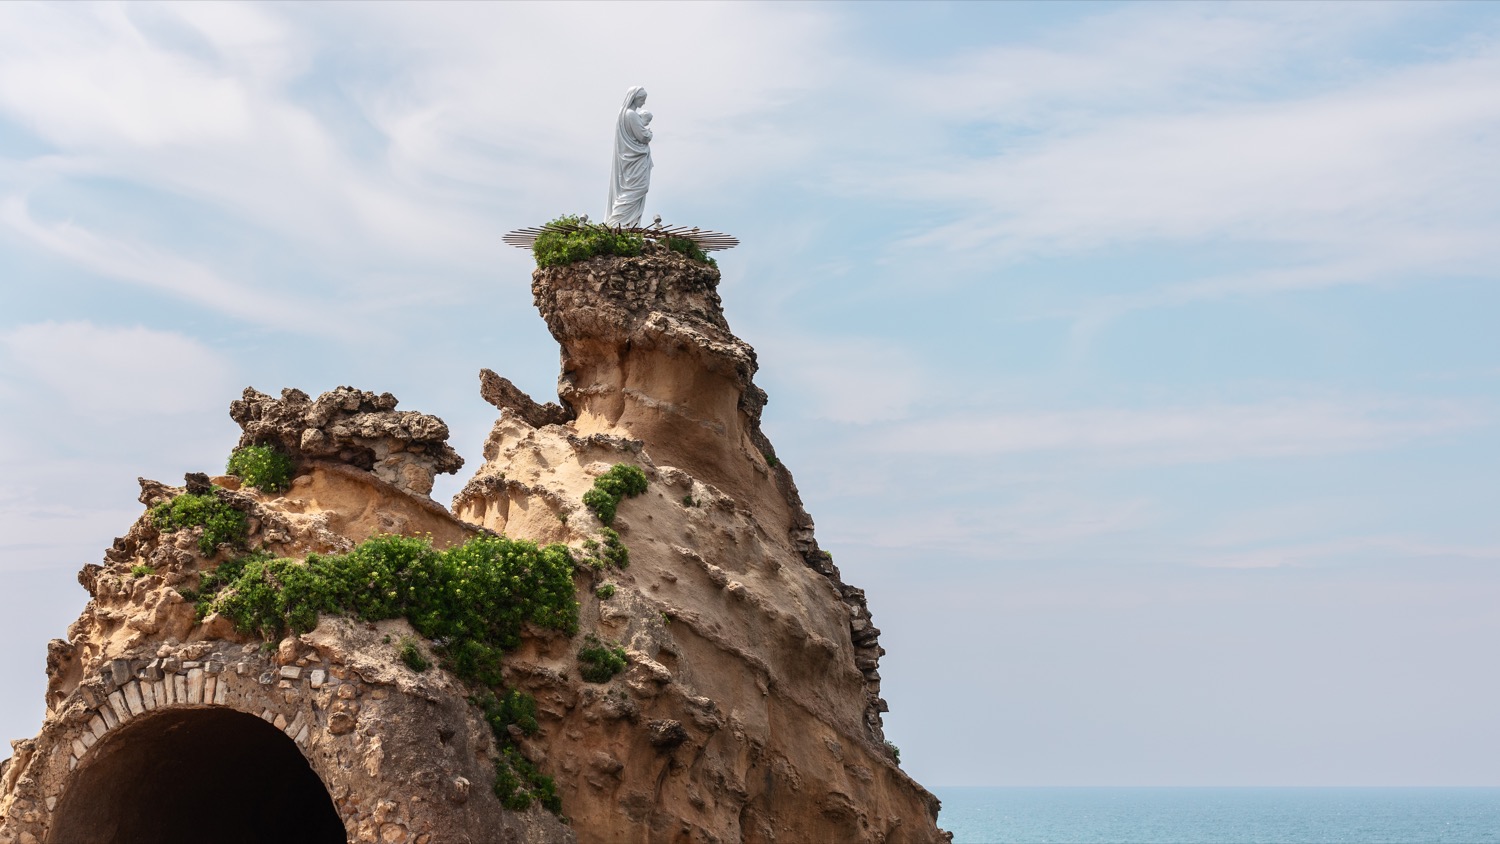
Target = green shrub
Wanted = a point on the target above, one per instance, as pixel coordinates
(221, 523)
(142, 571)
(471, 599)
(605, 592)
(621, 481)
(891, 748)
(691, 249)
(518, 783)
(689, 501)
(615, 552)
(412, 655)
(588, 240)
(512, 708)
(262, 466)
(612, 552)
(599, 661)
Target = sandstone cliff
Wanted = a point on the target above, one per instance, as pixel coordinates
(748, 709)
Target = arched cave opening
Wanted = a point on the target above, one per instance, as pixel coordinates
(192, 775)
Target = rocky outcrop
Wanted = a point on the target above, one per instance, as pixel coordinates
(504, 395)
(751, 709)
(151, 706)
(748, 709)
(646, 350)
(353, 427)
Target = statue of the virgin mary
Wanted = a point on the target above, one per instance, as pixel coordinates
(630, 176)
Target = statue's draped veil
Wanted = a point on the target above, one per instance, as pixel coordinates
(630, 175)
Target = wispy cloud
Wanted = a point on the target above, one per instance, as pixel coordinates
(847, 379)
(1281, 428)
(1329, 170)
(119, 372)
(1369, 548)
(157, 269)
(1036, 524)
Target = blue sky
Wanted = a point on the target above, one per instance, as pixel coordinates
(1139, 359)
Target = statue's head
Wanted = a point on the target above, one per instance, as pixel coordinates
(635, 97)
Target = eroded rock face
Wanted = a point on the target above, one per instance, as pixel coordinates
(748, 711)
(751, 708)
(394, 755)
(354, 427)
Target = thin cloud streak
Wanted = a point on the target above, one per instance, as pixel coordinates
(1405, 151)
(118, 372)
(162, 271)
(1285, 428)
(1370, 548)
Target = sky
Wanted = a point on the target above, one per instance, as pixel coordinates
(1139, 360)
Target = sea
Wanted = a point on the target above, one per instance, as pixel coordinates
(1221, 815)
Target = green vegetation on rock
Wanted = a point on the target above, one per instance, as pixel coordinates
(891, 748)
(582, 241)
(599, 661)
(517, 781)
(411, 654)
(587, 240)
(471, 599)
(611, 553)
(691, 249)
(621, 481)
(262, 466)
(221, 523)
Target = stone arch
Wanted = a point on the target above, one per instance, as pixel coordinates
(187, 774)
(113, 722)
(396, 753)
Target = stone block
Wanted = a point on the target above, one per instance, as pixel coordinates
(153, 670)
(268, 716)
(279, 722)
(179, 688)
(87, 738)
(119, 673)
(107, 713)
(79, 748)
(117, 704)
(90, 695)
(167, 691)
(97, 726)
(221, 691)
(148, 694)
(195, 685)
(290, 672)
(210, 686)
(302, 734)
(132, 692)
(317, 677)
(296, 726)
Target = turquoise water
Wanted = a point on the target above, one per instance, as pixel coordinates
(1221, 815)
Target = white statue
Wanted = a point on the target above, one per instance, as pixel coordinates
(630, 176)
